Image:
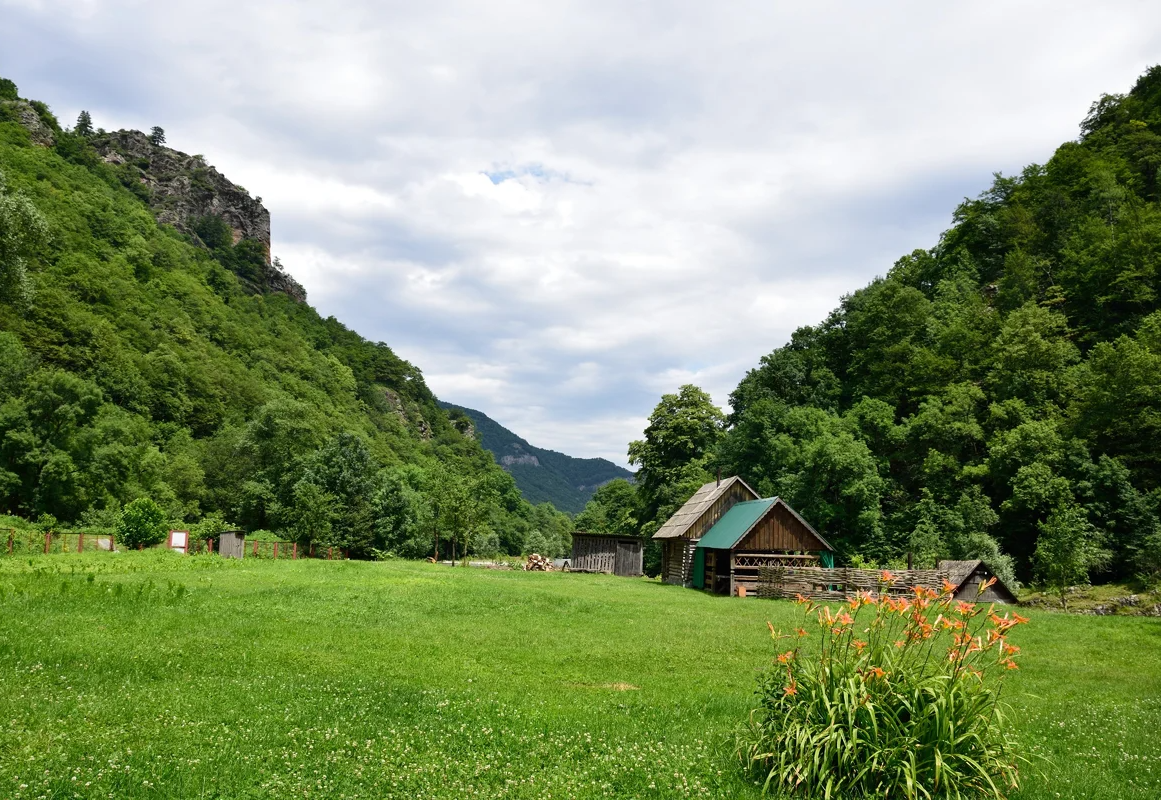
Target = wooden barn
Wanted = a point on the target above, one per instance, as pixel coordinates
(604, 552)
(680, 533)
(725, 533)
(751, 535)
(967, 577)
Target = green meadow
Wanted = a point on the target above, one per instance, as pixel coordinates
(151, 675)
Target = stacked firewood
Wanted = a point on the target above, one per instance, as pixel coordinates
(538, 563)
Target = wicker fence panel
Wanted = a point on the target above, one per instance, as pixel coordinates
(840, 583)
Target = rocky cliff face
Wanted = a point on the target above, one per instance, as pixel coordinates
(36, 121)
(184, 189)
(525, 458)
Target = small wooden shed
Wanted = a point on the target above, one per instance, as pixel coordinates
(680, 533)
(605, 552)
(967, 577)
(232, 544)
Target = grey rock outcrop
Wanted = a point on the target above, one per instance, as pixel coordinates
(184, 188)
(23, 111)
(526, 458)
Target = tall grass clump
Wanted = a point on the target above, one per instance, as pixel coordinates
(896, 697)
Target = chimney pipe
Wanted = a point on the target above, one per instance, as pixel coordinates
(719, 476)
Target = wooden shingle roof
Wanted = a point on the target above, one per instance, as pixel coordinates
(959, 571)
(695, 506)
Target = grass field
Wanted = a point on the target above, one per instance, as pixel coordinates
(152, 675)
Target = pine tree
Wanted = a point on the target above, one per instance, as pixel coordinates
(157, 136)
(84, 125)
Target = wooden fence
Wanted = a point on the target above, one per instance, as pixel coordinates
(13, 542)
(29, 542)
(841, 583)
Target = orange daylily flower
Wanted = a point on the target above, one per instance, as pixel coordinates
(792, 689)
(801, 632)
(785, 657)
(949, 587)
(887, 577)
(858, 644)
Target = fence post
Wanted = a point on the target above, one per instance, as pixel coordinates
(312, 549)
(330, 553)
(11, 534)
(210, 545)
(294, 552)
(276, 551)
(255, 548)
(81, 542)
(47, 540)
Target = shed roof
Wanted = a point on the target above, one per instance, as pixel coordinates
(603, 535)
(960, 572)
(735, 524)
(740, 520)
(702, 499)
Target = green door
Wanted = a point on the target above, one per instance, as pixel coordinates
(699, 568)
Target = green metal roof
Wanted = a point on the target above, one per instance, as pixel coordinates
(735, 524)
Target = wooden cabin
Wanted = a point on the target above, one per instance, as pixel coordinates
(967, 577)
(610, 553)
(681, 532)
(751, 535)
(725, 533)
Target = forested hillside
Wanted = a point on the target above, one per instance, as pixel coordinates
(175, 362)
(543, 476)
(996, 396)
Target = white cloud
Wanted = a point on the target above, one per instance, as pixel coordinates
(561, 210)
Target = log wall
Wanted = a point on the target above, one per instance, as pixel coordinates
(677, 561)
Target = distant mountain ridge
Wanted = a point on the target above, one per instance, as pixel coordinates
(542, 475)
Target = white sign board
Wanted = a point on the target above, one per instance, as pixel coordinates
(179, 541)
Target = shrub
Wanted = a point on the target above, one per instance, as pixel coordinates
(898, 697)
(142, 523)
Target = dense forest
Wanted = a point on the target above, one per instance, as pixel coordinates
(174, 364)
(997, 396)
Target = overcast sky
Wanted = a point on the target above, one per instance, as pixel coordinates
(560, 211)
